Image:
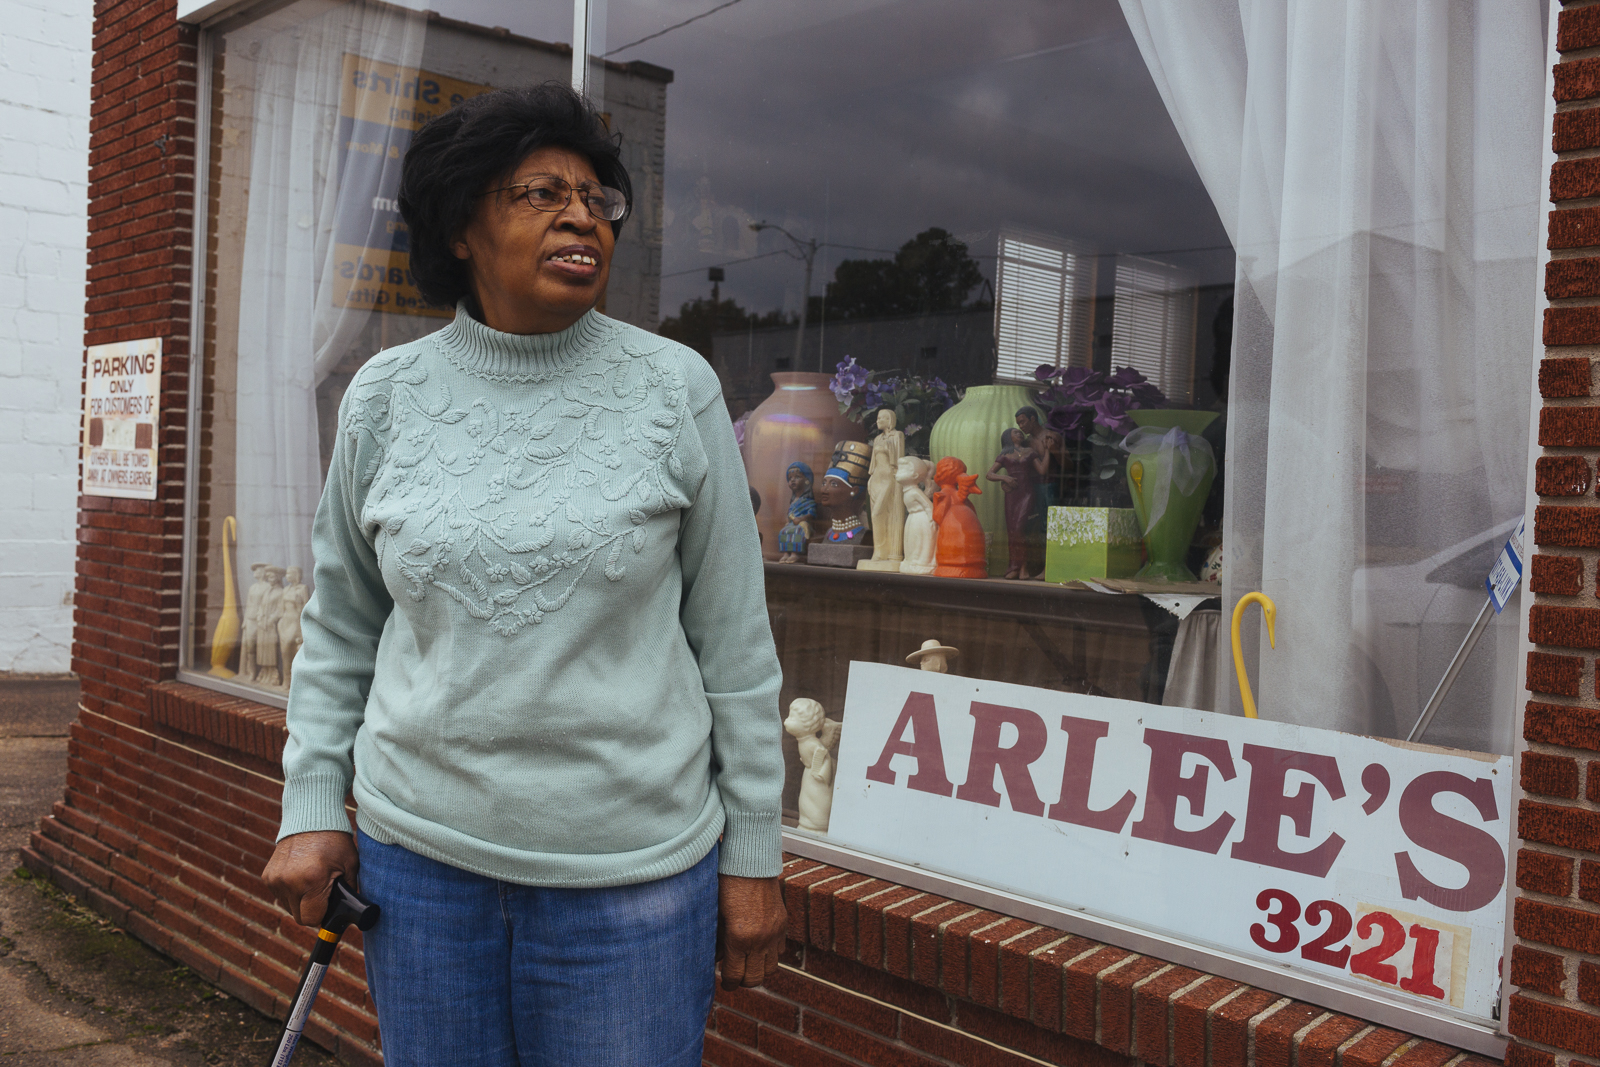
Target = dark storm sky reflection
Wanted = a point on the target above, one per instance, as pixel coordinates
(863, 122)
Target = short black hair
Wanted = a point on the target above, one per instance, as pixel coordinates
(477, 143)
(1031, 412)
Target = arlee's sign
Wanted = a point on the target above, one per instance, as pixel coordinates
(1349, 858)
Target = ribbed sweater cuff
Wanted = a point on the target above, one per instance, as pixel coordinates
(752, 845)
(314, 802)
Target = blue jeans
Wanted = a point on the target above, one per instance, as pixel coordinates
(468, 971)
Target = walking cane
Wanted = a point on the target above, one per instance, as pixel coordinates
(345, 906)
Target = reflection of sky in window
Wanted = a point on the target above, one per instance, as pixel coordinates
(863, 122)
(544, 20)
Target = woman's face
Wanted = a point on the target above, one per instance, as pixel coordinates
(537, 271)
(798, 482)
(833, 493)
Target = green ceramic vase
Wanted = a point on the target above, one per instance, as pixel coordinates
(970, 431)
(1167, 542)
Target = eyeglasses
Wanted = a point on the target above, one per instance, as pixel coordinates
(549, 193)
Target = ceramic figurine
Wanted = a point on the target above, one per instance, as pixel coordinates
(225, 638)
(295, 595)
(1050, 450)
(840, 494)
(933, 656)
(251, 628)
(1021, 470)
(268, 671)
(797, 531)
(920, 532)
(960, 548)
(888, 507)
(816, 735)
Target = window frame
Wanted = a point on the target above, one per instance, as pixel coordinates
(1377, 1007)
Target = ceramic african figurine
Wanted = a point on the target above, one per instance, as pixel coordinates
(295, 595)
(959, 548)
(816, 735)
(797, 531)
(268, 671)
(933, 656)
(250, 630)
(920, 532)
(1020, 469)
(840, 494)
(888, 508)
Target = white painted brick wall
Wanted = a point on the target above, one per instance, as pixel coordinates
(44, 160)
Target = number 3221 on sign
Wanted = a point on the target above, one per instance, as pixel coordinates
(1423, 957)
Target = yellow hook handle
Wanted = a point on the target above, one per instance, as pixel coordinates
(1270, 611)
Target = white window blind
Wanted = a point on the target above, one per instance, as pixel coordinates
(1153, 324)
(1044, 296)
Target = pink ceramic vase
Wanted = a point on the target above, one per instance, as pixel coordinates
(799, 421)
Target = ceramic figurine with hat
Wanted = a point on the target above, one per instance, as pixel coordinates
(933, 656)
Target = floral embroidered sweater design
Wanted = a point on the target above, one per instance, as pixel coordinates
(538, 645)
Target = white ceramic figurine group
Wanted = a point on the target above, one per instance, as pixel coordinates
(270, 635)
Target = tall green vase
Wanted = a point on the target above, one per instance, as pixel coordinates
(970, 431)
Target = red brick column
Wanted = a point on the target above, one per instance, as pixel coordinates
(141, 224)
(1555, 1004)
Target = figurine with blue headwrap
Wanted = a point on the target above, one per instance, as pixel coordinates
(794, 534)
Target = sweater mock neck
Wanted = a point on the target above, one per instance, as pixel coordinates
(483, 352)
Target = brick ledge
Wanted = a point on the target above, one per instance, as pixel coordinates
(231, 722)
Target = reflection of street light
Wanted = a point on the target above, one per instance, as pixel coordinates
(806, 251)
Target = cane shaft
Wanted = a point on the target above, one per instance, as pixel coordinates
(305, 996)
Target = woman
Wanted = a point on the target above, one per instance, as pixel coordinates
(537, 651)
(1020, 470)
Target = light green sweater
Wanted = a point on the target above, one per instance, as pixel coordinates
(538, 641)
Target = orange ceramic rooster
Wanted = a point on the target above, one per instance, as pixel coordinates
(960, 551)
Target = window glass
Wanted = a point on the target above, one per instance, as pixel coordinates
(312, 107)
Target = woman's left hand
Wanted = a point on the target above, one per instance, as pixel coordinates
(751, 924)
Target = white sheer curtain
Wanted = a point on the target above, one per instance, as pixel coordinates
(1376, 164)
(291, 334)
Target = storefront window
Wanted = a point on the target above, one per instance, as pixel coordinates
(1203, 304)
(312, 107)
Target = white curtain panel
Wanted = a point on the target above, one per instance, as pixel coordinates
(1377, 166)
(290, 332)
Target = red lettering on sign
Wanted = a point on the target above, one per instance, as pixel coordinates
(1083, 737)
(1166, 785)
(1012, 762)
(924, 746)
(1474, 849)
(1269, 806)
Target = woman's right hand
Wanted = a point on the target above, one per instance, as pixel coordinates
(303, 867)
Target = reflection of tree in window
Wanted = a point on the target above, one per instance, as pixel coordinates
(930, 273)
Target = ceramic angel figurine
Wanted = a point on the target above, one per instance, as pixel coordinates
(251, 628)
(960, 548)
(918, 543)
(887, 507)
(796, 532)
(816, 735)
(1020, 469)
(295, 595)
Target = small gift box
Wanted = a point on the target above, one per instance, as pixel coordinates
(1092, 543)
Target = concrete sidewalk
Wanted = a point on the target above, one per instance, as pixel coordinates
(74, 990)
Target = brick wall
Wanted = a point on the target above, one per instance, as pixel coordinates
(44, 164)
(172, 794)
(1555, 1003)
